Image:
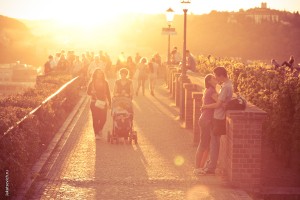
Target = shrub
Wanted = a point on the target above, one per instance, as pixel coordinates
(275, 91)
(22, 146)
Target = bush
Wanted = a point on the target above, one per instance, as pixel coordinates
(275, 91)
(22, 146)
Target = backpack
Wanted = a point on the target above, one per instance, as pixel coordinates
(236, 103)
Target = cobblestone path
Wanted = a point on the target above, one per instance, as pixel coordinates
(159, 167)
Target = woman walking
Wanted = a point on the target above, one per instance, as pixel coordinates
(142, 75)
(99, 91)
(153, 69)
(205, 123)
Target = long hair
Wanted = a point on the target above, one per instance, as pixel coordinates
(95, 73)
(207, 78)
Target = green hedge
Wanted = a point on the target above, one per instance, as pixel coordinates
(275, 91)
(22, 147)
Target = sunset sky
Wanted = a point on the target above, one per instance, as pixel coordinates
(57, 9)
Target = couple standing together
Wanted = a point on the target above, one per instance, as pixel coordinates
(212, 120)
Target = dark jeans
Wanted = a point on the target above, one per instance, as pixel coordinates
(99, 117)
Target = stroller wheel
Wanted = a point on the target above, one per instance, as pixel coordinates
(130, 140)
(135, 140)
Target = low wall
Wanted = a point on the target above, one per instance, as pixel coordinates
(240, 150)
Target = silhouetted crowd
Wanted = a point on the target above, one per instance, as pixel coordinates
(84, 66)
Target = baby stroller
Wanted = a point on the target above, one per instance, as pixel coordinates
(122, 114)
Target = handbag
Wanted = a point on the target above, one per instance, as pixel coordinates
(100, 104)
(236, 103)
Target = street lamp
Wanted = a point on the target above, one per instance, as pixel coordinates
(170, 17)
(183, 77)
(185, 5)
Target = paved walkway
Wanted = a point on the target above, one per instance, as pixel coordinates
(159, 167)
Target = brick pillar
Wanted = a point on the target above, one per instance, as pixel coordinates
(197, 102)
(240, 152)
(182, 81)
(170, 74)
(175, 94)
(188, 112)
(167, 75)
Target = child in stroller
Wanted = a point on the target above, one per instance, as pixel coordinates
(122, 114)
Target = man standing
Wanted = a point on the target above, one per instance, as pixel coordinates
(191, 62)
(219, 120)
(49, 65)
(175, 56)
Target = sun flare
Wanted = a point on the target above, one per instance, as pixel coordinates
(87, 15)
(87, 20)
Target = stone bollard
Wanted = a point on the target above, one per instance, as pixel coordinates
(197, 101)
(177, 91)
(188, 111)
(168, 74)
(240, 150)
(182, 81)
(175, 85)
(172, 70)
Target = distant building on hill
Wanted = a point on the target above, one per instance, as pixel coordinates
(264, 5)
(16, 77)
(258, 15)
(263, 14)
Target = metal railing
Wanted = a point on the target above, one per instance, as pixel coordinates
(38, 107)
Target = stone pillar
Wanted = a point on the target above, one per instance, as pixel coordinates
(173, 71)
(240, 152)
(189, 108)
(176, 86)
(170, 71)
(197, 104)
(182, 81)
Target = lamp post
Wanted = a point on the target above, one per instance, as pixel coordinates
(185, 4)
(183, 77)
(170, 17)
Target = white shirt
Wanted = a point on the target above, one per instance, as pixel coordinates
(224, 96)
(177, 57)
